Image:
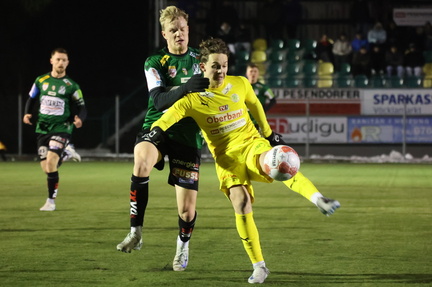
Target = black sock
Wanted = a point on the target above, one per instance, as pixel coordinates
(138, 199)
(52, 180)
(186, 228)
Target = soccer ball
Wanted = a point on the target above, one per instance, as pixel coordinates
(281, 163)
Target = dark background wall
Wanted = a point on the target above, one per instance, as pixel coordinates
(107, 45)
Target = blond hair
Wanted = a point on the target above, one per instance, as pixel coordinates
(171, 13)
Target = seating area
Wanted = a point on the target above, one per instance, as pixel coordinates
(293, 64)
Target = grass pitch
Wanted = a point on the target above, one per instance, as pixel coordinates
(381, 236)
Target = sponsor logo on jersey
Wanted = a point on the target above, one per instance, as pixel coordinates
(230, 127)
(227, 89)
(235, 98)
(223, 108)
(189, 165)
(196, 69)
(155, 74)
(67, 82)
(51, 106)
(62, 90)
(164, 59)
(44, 78)
(184, 80)
(206, 94)
(194, 55)
(172, 71)
(153, 78)
(225, 117)
(185, 175)
(204, 103)
(133, 204)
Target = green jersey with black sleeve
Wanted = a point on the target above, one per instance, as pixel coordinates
(264, 94)
(165, 72)
(55, 95)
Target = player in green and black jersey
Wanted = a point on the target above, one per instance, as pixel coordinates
(170, 73)
(265, 95)
(56, 93)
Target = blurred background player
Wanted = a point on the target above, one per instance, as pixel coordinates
(265, 95)
(3, 150)
(170, 73)
(235, 144)
(55, 92)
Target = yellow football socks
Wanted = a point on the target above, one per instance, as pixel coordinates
(248, 233)
(302, 185)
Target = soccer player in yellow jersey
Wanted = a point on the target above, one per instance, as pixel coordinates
(236, 145)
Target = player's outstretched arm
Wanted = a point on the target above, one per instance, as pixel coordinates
(164, 99)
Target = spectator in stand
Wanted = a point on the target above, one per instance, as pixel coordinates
(413, 61)
(394, 62)
(358, 42)
(377, 61)
(324, 49)
(361, 63)
(377, 36)
(227, 34)
(341, 51)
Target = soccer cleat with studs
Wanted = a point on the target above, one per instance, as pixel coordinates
(71, 153)
(259, 274)
(132, 241)
(327, 206)
(48, 206)
(181, 258)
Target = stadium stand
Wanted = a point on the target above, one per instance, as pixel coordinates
(361, 81)
(325, 74)
(259, 44)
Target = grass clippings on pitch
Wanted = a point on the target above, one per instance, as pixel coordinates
(380, 236)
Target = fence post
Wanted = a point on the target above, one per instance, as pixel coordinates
(20, 117)
(404, 119)
(117, 125)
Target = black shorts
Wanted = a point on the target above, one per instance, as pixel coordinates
(60, 141)
(184, 162)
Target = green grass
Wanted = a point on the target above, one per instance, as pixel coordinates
(381, 236)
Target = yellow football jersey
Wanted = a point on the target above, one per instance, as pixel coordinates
(222, 114)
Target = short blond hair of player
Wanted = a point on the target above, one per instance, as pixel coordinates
(236, 145)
